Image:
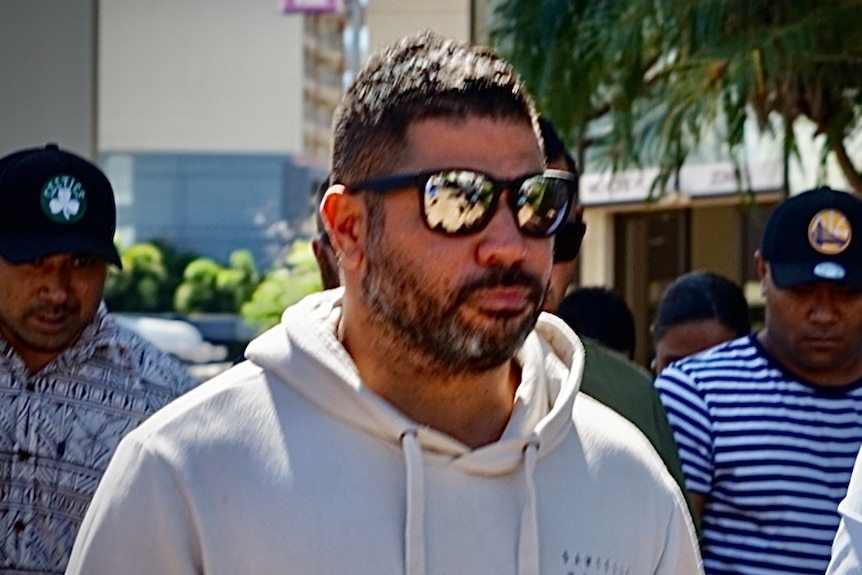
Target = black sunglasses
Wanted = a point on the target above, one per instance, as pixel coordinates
(567, 241)
(458, 202)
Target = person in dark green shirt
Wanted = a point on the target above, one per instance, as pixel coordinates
(609, 377)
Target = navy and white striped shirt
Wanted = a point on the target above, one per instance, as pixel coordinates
(772, 453)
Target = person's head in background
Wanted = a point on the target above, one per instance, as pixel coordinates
(697, 311)
(567, 242)
(56, 242)
(601, 314)
(322, 247)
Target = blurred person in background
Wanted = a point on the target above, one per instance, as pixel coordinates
(601, 314)
(567, 241)
(72, 381)
(769, 424)
(698, 310)
(609, 377)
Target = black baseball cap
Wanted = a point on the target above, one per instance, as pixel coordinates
(815, 236)
(53, 201)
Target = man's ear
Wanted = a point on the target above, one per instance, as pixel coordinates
(344, 216)
(762, 270)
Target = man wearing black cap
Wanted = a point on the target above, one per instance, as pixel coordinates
(72, 381)
(768, 425)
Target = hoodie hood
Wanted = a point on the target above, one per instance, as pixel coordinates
(306, 354)
(341, 478)
(304, 351)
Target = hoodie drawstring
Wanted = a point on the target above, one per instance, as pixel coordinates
(528, 539)
(414, 530)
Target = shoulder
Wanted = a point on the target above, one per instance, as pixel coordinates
(223, 405)
(737, 355)
(605, 432)
(725, 364)
(142, 360)
(604, 367)
(624, 386)
(613, 447)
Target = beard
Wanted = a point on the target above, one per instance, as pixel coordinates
(429, 326)
(23, 331)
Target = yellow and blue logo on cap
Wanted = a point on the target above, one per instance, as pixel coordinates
(829, 232)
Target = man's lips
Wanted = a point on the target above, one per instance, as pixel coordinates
(502, 298)
(821, 341)
(50, 322)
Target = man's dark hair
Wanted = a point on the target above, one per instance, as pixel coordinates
(319, 192)
(421, 76)
(600, 314)
(702, 295)
(555, 149)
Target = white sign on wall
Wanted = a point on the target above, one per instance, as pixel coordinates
(709, 179)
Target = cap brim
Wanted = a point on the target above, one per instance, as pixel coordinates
(22, 249)
(789, 275)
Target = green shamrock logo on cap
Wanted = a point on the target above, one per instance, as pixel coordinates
(64, 200)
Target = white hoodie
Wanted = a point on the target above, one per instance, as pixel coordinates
(288, 464)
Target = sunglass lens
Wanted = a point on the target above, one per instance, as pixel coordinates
(457, 201)
(542, 204)
(567, 241)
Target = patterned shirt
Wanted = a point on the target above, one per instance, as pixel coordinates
(59, 428)
(772, 453)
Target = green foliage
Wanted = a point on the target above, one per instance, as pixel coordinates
(151, 272)
(139, 285)
(643, 81)
(283, 286)
(207, 286)
(156, 278)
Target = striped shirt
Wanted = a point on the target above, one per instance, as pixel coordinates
(59, 428)
(773, 453)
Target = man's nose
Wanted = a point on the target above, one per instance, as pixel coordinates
(503, 243)
(56, 281)
(825, 307)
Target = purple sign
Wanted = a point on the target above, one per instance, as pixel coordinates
(304, 6)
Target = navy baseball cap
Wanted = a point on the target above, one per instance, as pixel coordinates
(815, 236)
(53, 201)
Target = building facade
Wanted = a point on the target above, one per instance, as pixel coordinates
(212, 120)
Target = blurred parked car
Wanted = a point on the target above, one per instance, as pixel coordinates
(180, 339)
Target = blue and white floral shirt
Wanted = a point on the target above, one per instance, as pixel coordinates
(59, 428)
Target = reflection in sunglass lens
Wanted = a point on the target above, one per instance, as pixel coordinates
(457, 201)
(462, 201)
(541, 204)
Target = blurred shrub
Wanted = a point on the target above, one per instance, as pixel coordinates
(151, 272)
(283, 286)
(207, 286)
(157, 278)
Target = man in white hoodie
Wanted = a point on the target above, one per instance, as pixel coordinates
(419, 419)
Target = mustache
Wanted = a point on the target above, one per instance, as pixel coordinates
(66, 308)
(503, 277)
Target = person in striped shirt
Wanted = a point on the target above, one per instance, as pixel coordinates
(768, 425)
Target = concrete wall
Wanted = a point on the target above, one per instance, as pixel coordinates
(211, 204)
(200, 75)
(48, 74)
(388, 20)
